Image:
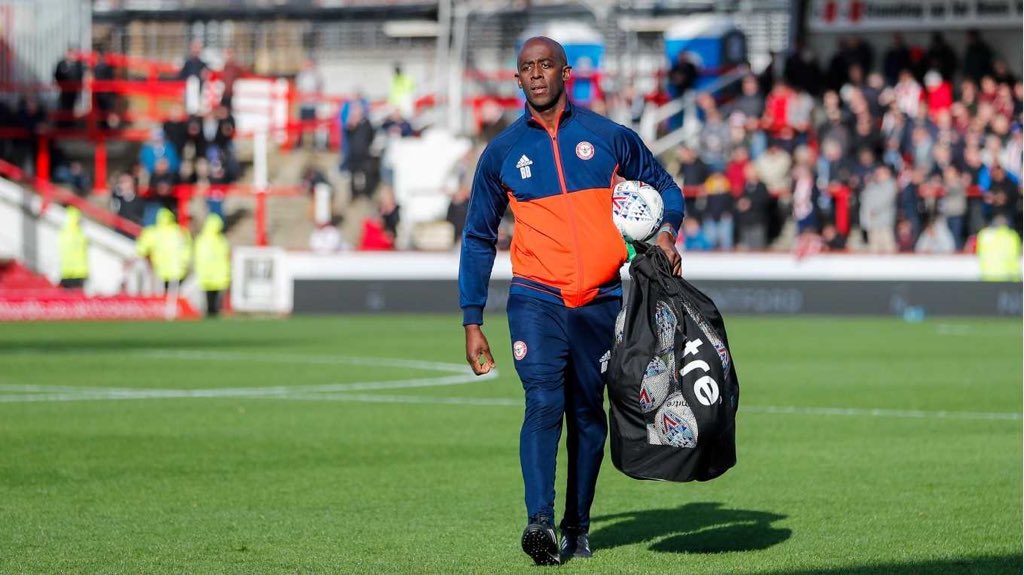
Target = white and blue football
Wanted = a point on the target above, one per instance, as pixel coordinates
(637, 210)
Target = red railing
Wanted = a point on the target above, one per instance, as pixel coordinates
(51, 192)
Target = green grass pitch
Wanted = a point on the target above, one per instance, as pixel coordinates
(352, 445)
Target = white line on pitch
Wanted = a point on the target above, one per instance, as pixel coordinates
(200, 355)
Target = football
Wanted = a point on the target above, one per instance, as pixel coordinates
(675, 423)
(655, 387)
(637, 210)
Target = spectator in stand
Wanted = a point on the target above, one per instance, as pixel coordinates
(936, 238)
(1001, 72)
(896, 60)
(157, 148)
(750, 103)
(911, 206)
(718, 212)
(213, 263)
(1004, 197)
(75, 177)
(953, 206)
(309, 84)
(104, 99)
(774, 121)
(693, 172)
(802, 70)
(861, 55)
(219, 177)
(194, 65)
(977, 57)
(938, 93)
(905, 238)
(230, 73)
(805, 200)
(908, 93)
(74, 251)
(773, 168)
(161, 191)
(125, 200)
(176, 129)
(735, 170)
(68, 74)
(714, 135)
(693, 238)
(752, 211)
(682, 75)
(224, 134)
(359, 135)
(831, 238)
(941, 56)
(838, 73)
(878, 211)
(314, 183)
(195, 72)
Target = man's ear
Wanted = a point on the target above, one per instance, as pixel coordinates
(566, 71)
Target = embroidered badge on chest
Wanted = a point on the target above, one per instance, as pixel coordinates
(585, 150)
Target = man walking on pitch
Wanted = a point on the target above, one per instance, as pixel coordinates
(555, 167)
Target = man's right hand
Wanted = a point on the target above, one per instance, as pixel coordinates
(478, 351)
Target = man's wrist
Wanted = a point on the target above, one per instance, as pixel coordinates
(668, 229)
(473, 315)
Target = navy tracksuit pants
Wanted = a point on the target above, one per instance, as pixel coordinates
(559, 353)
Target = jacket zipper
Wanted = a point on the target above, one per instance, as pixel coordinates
(572, 215)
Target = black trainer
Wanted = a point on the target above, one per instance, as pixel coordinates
(540, 541)
(575, 544)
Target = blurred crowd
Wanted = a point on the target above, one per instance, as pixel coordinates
(916, 155)
(916, 150)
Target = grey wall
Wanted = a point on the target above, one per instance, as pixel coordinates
(739, 297)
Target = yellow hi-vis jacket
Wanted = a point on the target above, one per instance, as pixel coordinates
(213, 256)
(73, 247)
(999, 254)
(166, 245)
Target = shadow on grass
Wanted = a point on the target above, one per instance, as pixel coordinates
(691, 528)
(965, 566)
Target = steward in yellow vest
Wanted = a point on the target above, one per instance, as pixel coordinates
(213, 262)
(74, 251)
(999, 252)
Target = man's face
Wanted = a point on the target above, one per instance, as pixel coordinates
(542, 74)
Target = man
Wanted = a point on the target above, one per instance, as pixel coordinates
(168, 247)
(68, 75)
(74, 251)
(213, 263)
(555, 165)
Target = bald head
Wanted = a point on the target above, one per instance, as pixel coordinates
(556, 49)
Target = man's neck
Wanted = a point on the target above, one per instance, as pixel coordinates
(549, 118)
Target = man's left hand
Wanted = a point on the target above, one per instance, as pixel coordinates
(667, 242)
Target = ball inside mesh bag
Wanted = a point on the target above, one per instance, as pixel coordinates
(620, 327)
(655, 386)
(665, 322)
(675, 423)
